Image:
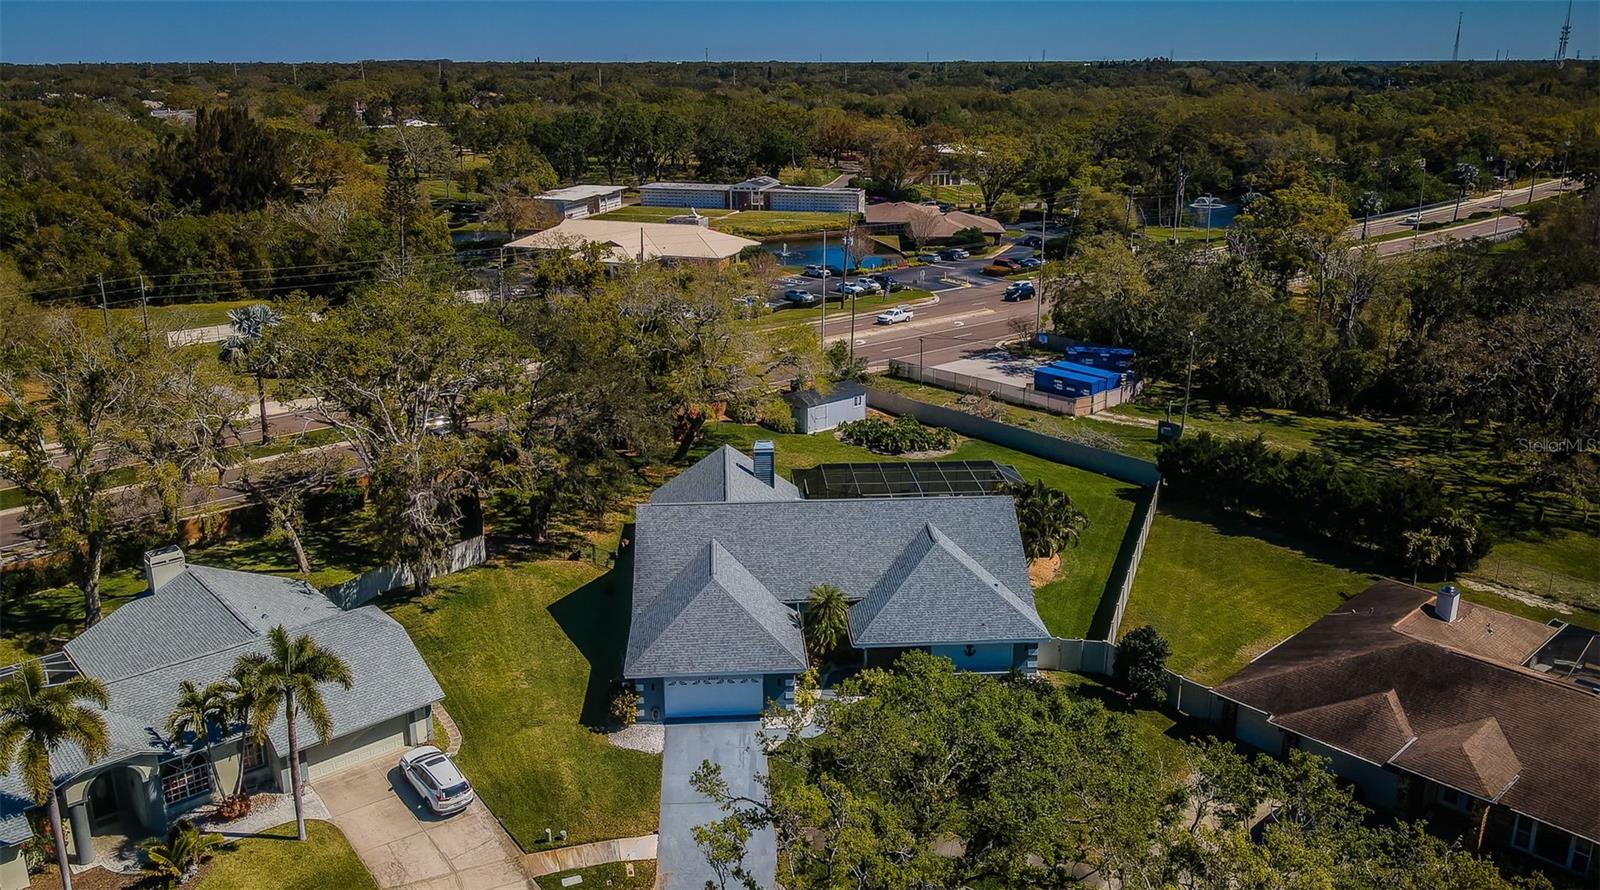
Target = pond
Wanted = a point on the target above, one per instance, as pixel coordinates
(808, 251)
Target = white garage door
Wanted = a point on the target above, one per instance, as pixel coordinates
(714, 696)
(327, 759)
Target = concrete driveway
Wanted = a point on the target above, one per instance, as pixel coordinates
(407, 847)
(679, 863)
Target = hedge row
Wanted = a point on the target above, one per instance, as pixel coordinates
(1401, 515)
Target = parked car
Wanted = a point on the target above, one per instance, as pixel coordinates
(815, 271)
(869, 286)
(1031, 262)
(953, 253)
(1019, 290)
(802, 297)
(889, 283)
(850, 289)
(1030, 241)
(436, 778)
(1002, 267)
(895, 315)
(835, 271)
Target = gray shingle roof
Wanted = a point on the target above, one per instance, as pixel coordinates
(936, 593)
(183, 632)
(726, 474)
(839, 392)
(790, 546)
(714, 617)
(200, 610)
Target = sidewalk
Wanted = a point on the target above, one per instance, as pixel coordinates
(627, 849)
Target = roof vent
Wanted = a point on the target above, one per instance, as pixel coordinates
(765, 454)
(1448, 605)
(161, 566)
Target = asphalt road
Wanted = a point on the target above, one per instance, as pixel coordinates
(1394, 221)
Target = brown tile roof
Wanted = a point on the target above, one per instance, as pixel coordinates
(1367, 675)
(927, 222)
(1481, 631)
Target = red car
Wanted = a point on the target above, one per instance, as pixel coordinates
(1002, 267)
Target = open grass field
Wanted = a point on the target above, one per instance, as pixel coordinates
(170, 317)
(526, 653)
(641, 213)
(611, 876)
(746, 223)
(1066, 604)
(275, 861)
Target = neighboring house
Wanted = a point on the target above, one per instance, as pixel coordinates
(816, 412)
(727, 553)
(579, 201)
(757, 193)
(1471, 717)
(925, 223)
(193, 623)
(947, 168)
(628, 242)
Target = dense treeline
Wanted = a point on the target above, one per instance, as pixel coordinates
(1403, 516)
(93, 185)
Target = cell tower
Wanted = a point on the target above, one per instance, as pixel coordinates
(1566, 34)
(1455, 54)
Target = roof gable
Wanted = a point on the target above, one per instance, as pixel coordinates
(724, 475)
(715, 617)
(1376, 719)
(936, 593)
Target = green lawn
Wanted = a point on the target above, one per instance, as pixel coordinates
(1223, 591)
(612, 875)
(641, 213)
(1066, 604)
(276, 861)
(525, 654)
(768, 223)
(173, 317)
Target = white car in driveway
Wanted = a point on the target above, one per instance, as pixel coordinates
(436, 778)
(895, 315)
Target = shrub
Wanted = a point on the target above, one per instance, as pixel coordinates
(898, 436)
(171, 862)
(625, 704)
(775, 415)
(742, 412)
(1142, 665)
(1401, 515)
(969, 239)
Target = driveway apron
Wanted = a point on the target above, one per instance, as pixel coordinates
(406, 846)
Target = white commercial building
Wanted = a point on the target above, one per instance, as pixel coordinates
(757, 193)
(579, 201)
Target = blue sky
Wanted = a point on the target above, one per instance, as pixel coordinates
(600, 30)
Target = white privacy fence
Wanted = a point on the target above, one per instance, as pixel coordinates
(360, 590)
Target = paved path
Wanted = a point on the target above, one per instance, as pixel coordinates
(679, 862)
(451, 731)
(627, 849)
(407, 847)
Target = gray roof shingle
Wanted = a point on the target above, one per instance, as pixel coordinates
(200, 610)
(936, 593)
(724, 475)
(839, 392)
(194, 628)
(714, 617)
(791, 546)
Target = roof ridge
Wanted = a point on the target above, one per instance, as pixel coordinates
(190, 571)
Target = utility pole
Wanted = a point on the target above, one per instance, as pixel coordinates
(144, 309)
(1188, 378)
(822, 327)
(1566, 34)
(105, 311)
(1422, 180)
(1177, 200)
(1455, 54)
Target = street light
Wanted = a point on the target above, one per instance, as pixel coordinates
(919, 359)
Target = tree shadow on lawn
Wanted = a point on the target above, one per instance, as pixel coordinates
(1329, 553)
(595, 618)
(1100, 625)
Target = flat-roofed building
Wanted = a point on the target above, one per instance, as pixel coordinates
(579, 201)
(756, 193)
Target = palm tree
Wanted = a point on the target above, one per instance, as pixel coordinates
(239, 690)
(1370, 203)
(174, 860)
(36, 719)
(827, 622)
(197, 711)
(1047, 519)
(289, 679)
(246, 347)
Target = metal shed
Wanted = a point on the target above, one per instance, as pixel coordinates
(815, 412)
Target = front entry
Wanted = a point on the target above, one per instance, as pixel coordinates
(104, 811)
